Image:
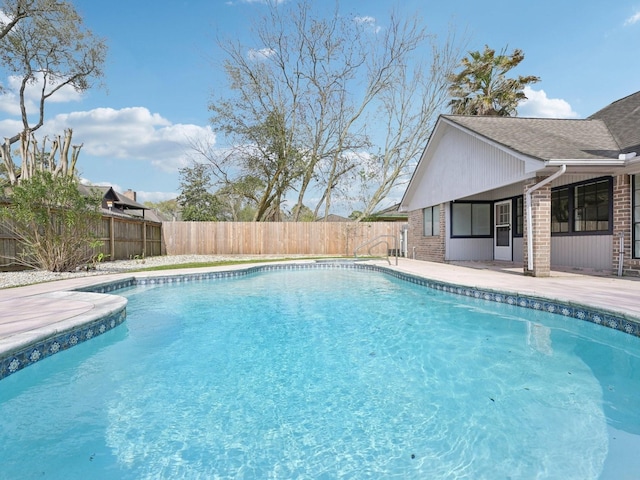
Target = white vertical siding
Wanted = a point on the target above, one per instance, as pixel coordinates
(589, 251)
(518, 253)
(463, 165)
(480, 249)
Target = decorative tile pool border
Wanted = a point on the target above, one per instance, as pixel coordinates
(614, 320)
(29, 355)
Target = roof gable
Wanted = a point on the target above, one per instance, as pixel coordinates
(118, 200)
(126, 203)
(458, 162)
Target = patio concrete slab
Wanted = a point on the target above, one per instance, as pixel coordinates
(24, 321)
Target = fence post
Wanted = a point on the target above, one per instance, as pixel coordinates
(112, 239)
(144, 238)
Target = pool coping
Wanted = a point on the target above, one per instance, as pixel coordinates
(106, 310)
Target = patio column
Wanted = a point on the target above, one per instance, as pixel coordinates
(622, 218)
(541, 228)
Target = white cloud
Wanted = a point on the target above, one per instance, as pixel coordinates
(128, 145)
(10, 127)
(540, 106)
(131, 134)
(155, 196)
(366, 19)
(10, 100)
(261, 54)
(633, 19)
(115, 186)
(368, 22)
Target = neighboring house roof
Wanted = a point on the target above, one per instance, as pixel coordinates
(468, 154)
(155, 215)
(120, 203)
(333, 218)
(390, 214)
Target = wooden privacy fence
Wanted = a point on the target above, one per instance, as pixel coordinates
(122, 239)
(276, 238)
(125, 238)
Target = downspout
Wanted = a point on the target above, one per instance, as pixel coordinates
(621, 254)
(527, 195)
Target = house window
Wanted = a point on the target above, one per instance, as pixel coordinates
(471, 219)
(431, 220)
(636, 216)
(582, 208)
(519, 217)
(560, 211)
(591, 207)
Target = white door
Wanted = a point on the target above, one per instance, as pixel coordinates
(502, 231)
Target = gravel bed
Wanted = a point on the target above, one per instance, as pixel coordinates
(14, 279)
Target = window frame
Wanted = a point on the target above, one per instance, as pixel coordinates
(635, 218)
(435, 225)
(571, 190)
(488, 203)
(518, 228)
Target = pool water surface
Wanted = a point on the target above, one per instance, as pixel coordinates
(328, 373)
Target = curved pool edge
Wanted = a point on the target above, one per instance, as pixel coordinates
(617, 320)
(51, 332)
(106, 310)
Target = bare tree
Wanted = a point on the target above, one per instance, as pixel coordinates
(15, 11)
(328, 79)
(407, 113)
(44, 43)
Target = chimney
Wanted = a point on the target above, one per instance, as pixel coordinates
(130, 194)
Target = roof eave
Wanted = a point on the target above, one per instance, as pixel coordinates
(586, 162)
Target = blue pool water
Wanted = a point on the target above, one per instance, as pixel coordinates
(333, 373)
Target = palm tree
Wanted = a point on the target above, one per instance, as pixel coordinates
(481, 87)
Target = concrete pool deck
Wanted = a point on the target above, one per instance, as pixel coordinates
(34, 311)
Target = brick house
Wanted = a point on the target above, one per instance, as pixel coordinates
(483, 183)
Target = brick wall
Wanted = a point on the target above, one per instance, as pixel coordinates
(622, 224)
(541, 225)
(426, 248)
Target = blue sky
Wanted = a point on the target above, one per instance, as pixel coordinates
(164, 64)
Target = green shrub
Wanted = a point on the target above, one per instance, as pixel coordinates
(55, 225)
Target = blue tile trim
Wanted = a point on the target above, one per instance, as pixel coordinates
(617, 321)
(59, 342)
(109, 287)
(42, 349)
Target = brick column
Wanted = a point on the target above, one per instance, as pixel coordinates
(541, 226)
(621, 220)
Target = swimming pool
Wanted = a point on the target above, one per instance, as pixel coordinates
(333, 373)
